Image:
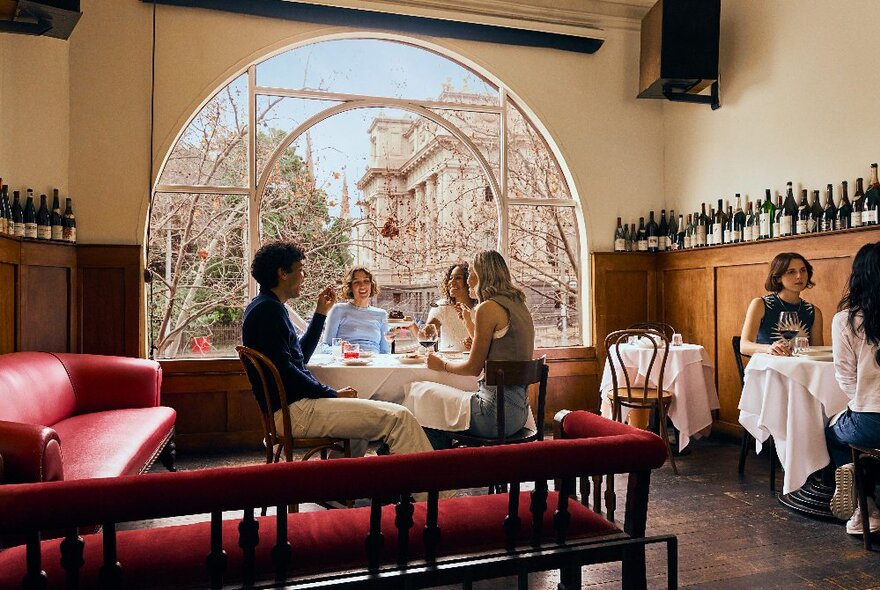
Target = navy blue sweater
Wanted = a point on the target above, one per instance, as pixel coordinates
(268, 329)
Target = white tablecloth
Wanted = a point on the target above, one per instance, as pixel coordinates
(385, 378)
(791, 399)
(689, 377)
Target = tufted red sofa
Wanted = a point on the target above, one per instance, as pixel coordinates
(441, 541)
(81, 416)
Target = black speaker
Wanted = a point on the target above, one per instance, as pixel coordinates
(52, 18)
(679, 48)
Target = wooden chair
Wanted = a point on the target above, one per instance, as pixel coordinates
(861, 456)
(748, 439)
(502, 374)
(641, 397)
(264, 370)
(662, 327)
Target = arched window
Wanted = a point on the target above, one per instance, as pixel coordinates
(367, 151)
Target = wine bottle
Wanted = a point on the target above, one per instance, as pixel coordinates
(17, 214)
(57, 219)
(815, 212)
(804, 214)
(619, 238)
(672, 232)
(653, 233)
(4, 216)
(68, 232)
(663, 232)
(30, 216)
(718, 224)
(780, 213)
(788, 220)
(44, 223)
(679, 235)
(689, 233)
(631, 238)
(872, 200)
(844, 210)
(858, 204)
(768, 217)
(642, 236)
(829, 214)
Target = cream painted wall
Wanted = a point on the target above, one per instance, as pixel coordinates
(34, 125)
(611, 142)
(800, 91)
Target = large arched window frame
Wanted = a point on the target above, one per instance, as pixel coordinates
(497, 178)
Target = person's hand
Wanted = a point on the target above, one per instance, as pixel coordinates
(347, 392)
(779, 348)
(326, 299)
(428, 332)
(435, 362)
(468, 342)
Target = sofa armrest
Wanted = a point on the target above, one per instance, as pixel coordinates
(31, 453)
(102, 383)
(583, 424)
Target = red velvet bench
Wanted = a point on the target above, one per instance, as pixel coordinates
(81, 416)
(418, 544)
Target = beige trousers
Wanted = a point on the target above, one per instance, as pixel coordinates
(360, 420)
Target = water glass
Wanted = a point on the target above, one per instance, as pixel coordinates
(677, 340)
(351, 351)
(801, 344)
(336, 350)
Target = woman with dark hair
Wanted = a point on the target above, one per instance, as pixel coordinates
(503, 331)
(790, 274)
(453, 311)
(855, 334)
(355, 320)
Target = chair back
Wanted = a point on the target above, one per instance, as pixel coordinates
(526, 373)
(737, 356)
(260, 369)
(662, 327)
(635, 393)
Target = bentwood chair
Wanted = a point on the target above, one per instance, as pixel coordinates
(662, 327)
(503, 374)
(747, 439)
(644, 396)
(263, 375)
(861, 456)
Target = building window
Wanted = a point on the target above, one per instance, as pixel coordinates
(373, 152)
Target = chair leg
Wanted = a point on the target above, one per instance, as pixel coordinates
(743, 451)
(610, 498)
(863, 499)
(665, 436)
(772, 450)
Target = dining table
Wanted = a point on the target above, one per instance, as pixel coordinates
(792, 399)
(689, 376)
(384, 377)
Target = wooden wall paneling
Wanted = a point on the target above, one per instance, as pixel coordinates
(687, 296)
(10, 256)
(46, 284)
(624, 292)
(111, 300)
(573, 381)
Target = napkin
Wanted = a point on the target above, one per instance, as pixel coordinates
(647, 342)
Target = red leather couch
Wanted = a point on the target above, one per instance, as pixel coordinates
(81, 416)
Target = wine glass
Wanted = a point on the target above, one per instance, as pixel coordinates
(428, 337)
(789, 326)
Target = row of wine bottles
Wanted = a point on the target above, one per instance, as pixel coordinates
(28, 221)
(765, 220)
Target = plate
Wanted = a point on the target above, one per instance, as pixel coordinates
(410, 360)
(355, 362)
(399, 323)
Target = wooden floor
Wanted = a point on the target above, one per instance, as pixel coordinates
(732, 532)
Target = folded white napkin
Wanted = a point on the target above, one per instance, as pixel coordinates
(646, 342)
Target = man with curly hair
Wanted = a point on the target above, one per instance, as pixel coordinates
(320, 410)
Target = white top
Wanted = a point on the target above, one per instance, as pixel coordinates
(855, 367)
(452, 329)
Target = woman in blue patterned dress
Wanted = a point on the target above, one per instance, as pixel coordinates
(790, 274)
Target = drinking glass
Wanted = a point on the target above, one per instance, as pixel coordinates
(789, 326)
(801, 344)
(677, 340)
(336, 350)
(351, 351)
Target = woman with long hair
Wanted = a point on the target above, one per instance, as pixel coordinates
(855, 332)
(504, 331)
(790, 275)
(356, 320)
(451, 315)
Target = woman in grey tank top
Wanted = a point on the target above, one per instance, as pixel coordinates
(502, 329)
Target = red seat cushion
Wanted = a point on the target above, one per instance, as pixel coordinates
(321, 542)
(108, 444)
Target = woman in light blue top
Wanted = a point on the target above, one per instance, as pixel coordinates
(356, 321)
